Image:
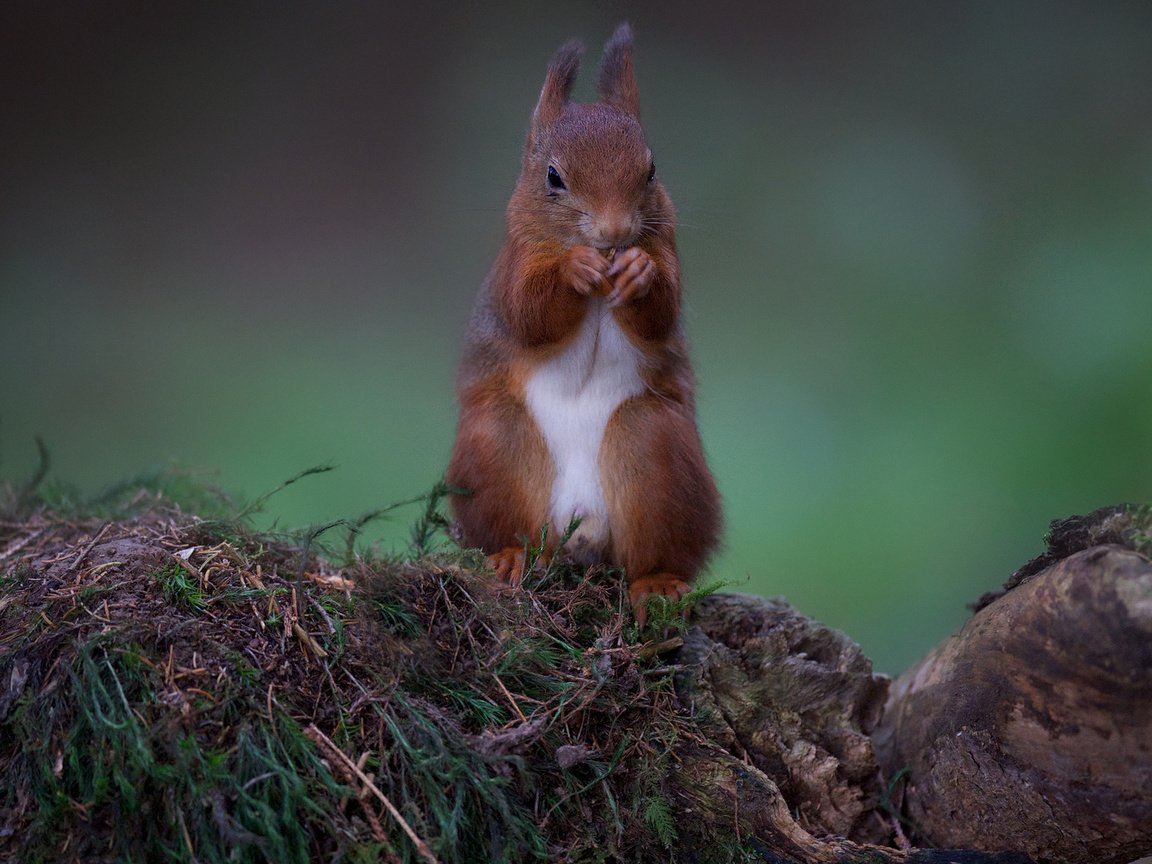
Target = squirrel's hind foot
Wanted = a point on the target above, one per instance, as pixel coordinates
(656, 585)
(509, 565)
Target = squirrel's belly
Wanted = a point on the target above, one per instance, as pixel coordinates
(571, 397)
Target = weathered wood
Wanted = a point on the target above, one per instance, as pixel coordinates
(785, 707)
(1031, 728)
(795, 699)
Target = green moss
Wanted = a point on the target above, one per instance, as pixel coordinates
(180, 587)
(113, 770)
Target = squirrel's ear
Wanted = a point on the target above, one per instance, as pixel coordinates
(617, 75)
(558, 82)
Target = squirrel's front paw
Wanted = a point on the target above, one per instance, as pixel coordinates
(631, 274)
(586, 270)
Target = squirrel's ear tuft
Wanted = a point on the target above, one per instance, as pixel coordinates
(617, 75)
(558, 82)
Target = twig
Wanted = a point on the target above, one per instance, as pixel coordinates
(329, 746)
(20, 544)
(508, 696)
(378, 832)
(315, 604)
(902, 841)
(91, 544)
(306, 638)
(186, 835)
(653, 648)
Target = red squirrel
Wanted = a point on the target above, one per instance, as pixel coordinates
(575, 389)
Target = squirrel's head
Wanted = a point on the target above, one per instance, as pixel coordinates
(588, 176)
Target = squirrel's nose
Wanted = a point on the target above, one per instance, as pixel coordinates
(614, 229)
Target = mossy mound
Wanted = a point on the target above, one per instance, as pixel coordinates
(176, 688)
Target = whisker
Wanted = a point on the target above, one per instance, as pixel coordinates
(671, 224)
(569, 207)
(545, 209)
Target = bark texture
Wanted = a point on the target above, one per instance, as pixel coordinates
(785, 707)
(1031, 728)
(795, 699)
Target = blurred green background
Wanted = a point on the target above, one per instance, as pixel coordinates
(916, 238)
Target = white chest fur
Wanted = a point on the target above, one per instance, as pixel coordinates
(571, 398)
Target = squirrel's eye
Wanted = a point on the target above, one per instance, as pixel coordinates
(555, 182)
(651, 172)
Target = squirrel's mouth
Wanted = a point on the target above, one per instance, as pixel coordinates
(610, 250)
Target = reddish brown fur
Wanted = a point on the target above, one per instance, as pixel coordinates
(534, 295)
(662, 502)
(663, 507)
(654, 317)
(501, 458)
